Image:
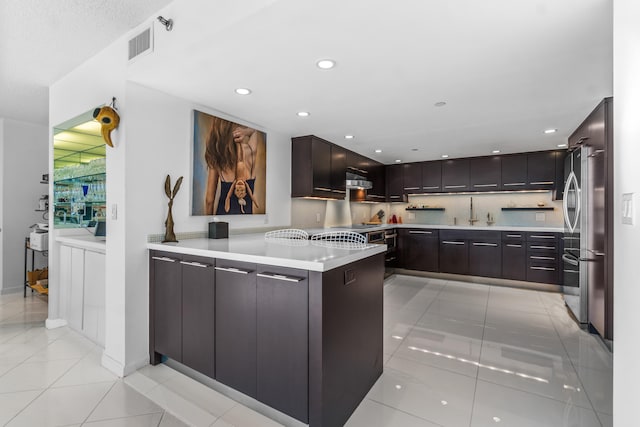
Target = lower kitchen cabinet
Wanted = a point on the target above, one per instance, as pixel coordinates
(454, 252)
(82, 277)
(514, 256)
(235, 325)
(542, 257)
(166, 279)
(198, 293)
(419, 249)
(283, 339)
(485, 254)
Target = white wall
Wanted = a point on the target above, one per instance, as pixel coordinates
(626, 96)
(23, 161)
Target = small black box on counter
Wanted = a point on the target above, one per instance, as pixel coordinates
(218, 230)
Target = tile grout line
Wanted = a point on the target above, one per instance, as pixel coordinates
(404, 412)
(99, 402)
(475, 388)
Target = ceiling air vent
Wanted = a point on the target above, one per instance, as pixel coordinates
(140, 44)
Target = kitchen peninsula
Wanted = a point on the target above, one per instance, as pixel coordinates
(295, 324)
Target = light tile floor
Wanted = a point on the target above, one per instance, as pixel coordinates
(456, 354)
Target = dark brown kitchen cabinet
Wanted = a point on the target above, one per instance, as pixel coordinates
(395, 187)
(235, 325)
(432, 177)
(338, 170)
(166, 306)
(282, 334)
(455, 175)
(377, 193)
(580, 136)
(454, 252)
(485, 254)
(412, 178)
(542, 257)
(315, 167)
(485, 173)
(198, 321)
(514, 172)
(541, 170)
(418, 249)
(514, 256)
(558, 193)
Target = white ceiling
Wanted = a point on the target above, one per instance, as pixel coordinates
(507, 69)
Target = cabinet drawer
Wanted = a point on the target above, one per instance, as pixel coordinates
(542, 237)
(513, 236)
(542, 272)
(542, 247)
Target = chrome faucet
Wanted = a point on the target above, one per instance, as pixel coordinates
(472, 217)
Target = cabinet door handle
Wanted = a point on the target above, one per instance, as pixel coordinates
(322, 188)
(431, 187)
(448, 242)
(411, 188)
(542, 247)
(163, 258)
(514, 246)
(390, 259)
(485, 244)
(394, 197)
(419, 232)
(339, 191)
(542, 237)
(543, 268)
(376, 196)
(455, 186)
(485, 185)
(513, 184)
(542, 183)
(195, 264)
(582, 140)
(542, 257)
(233, 270)
(514, 235)
(280, 277)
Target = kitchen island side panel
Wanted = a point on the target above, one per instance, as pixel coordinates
(345, 338)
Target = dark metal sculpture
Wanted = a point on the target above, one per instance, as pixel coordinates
(169, 235)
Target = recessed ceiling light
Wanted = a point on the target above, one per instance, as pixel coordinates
(303, 114)
(243, 91)
(497, 419)
(551, 131)
(444, 156)
(348, 137)
(378, 151)
(495, 151)
(562, 145)
(398, 160)
(444, 402)
(326, 64)
(414, 149)
(440, 104)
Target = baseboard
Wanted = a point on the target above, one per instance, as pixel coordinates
(7, 291)
(122, 370)
(55, 323)
(547, 287)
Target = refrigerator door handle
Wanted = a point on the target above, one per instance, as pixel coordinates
(571, 181)
(570, 260)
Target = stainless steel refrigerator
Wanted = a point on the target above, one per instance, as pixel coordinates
(584, 237)
(575, 207)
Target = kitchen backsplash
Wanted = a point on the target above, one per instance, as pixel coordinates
(307, 213)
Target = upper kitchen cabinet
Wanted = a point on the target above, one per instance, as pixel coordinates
(412, 178)
(455, 175)
(541, 170)
(514, 172)
(395, 187)
(432, 177)
(484, 173)
(316, 166)
(377, 176)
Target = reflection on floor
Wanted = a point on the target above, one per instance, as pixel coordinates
(456, 354)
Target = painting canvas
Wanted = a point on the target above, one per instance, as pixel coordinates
(229, 167)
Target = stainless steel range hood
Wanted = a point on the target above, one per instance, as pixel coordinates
(356, 181)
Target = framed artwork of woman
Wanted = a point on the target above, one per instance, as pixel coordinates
(229, 167)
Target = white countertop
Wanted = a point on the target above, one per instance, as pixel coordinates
(87, 242)
(312, 231)
(302, 254)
